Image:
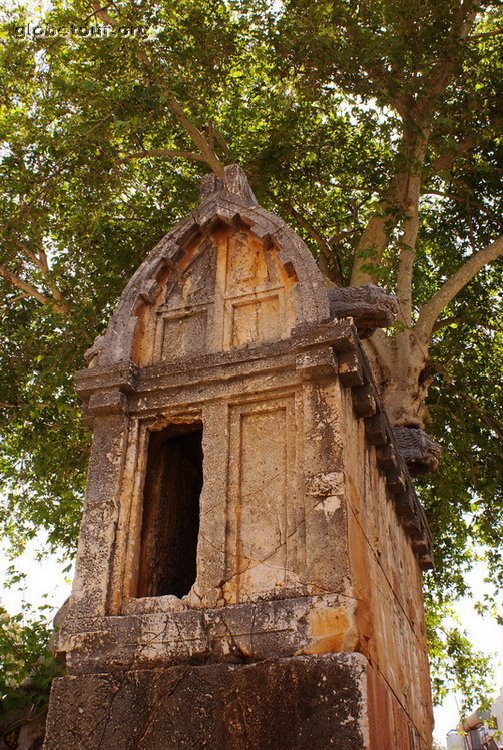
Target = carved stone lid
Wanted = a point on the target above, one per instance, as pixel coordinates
(228, 201)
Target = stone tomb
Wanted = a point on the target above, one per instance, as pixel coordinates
(249, 564)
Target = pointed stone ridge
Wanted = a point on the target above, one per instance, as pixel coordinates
(234, 182)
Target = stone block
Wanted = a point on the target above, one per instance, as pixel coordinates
(284, 704)
(254, 632)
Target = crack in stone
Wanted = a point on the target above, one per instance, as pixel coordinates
(105, 720)
(252, 564)
(152, 715)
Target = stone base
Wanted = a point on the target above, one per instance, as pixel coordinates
(297, 703)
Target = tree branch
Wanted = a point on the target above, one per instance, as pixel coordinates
(406, 260)
(432, 309)
(461, 27)
(489, 419)
(327, 255)
(445, 160)
(413, 148)
(382, 346)
(221, 141)
(415, 116)
(30, 290)
(447, 322)
(162, 152)
(484, 35)
(462, 319)
(40, 261)
(370, 248)
(207, 153)
(462, 201)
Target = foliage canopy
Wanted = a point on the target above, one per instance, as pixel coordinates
(372, 127)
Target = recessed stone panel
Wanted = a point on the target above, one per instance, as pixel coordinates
(261, 498)
(257, 319)
(183, 335)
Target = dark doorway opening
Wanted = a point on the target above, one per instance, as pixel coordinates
(170, 524)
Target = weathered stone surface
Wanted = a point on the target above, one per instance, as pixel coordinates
(153, 633)
(287, 704)
(386, 583)
(369, 305)
(233, 182)
(275, 248)
(419, 451)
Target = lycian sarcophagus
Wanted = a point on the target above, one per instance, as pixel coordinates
(249, 565)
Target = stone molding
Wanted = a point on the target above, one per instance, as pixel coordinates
(149, 633)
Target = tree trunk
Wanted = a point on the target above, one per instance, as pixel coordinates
(400, 361)
(403, 379)
(406, 388)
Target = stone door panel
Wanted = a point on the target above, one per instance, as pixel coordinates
(262, 499)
